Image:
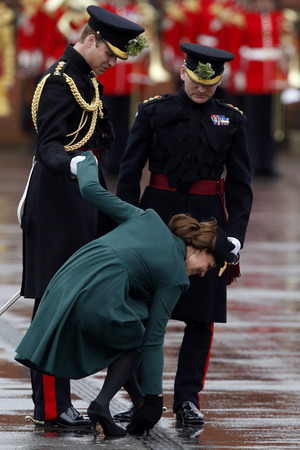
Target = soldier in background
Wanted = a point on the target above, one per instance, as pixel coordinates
(39, 44)
(122, 86)
(7, 57)
(206, 22)
(259, 75)
(125, 86)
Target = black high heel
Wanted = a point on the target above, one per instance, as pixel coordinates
(97, 414)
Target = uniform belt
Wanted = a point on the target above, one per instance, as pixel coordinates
(96, 151)
(201, 187)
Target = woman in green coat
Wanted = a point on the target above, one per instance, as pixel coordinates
(91, 315)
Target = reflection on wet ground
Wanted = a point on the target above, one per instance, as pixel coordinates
(252, 393)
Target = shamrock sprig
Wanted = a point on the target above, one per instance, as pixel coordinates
(136, 46)
(204, 71)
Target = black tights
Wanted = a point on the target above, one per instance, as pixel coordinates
(121, 373)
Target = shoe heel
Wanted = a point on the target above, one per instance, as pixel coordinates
(98, 415)
(94, 422)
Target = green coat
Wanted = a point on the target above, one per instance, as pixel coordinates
(93, 308)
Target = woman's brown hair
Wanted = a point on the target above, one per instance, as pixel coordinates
(200, 235)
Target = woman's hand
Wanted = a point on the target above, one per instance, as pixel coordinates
(147, 416)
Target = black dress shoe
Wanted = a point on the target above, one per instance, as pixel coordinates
(189, 414)
(125, 416)
(70, 418)
(97, 414)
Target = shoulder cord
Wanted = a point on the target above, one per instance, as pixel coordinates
(36, 100)
(96, 107)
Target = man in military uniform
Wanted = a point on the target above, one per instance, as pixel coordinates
(189, 139)
(69, 118)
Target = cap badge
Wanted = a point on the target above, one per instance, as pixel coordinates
(204, 71)
(219, 119)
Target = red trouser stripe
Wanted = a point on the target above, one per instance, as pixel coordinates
(207, 360)
(49, 397)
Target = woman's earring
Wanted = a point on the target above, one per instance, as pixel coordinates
(197, 253)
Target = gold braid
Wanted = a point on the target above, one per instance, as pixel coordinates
(36, 100)
(96, 107)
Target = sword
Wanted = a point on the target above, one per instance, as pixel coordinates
(19, 214)
(10, 302)
(22, 201)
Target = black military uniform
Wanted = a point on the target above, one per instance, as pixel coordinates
(188, 145)
(69, 118)
(51, 187)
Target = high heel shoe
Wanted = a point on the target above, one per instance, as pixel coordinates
(97, 414)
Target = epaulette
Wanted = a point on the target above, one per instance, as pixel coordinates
(228, 105)
(235, 107)
(156, 97)
(59, 67)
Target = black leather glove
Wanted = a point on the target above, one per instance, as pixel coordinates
(147, 416)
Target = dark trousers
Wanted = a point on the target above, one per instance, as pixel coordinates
(193, 362)
(51, 396)
(119, 109)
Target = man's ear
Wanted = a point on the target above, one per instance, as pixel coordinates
(182, 72)
(91, 39)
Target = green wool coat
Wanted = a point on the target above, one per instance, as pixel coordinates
(93, 308)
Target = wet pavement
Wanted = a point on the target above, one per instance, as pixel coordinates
(252, 394)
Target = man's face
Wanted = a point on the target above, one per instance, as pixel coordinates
(197, 92)
(100, 58)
